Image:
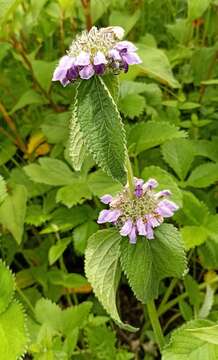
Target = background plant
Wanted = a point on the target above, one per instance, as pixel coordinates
(48, 210)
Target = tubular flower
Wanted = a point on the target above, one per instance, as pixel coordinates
(98, 51)
(139, 214)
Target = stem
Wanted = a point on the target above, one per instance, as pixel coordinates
(152, 312)
(26, 300)
(130, 177)
(87, 12)
(167, 294)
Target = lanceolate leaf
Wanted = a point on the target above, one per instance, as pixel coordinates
(149, 261)
(101, 127)
(13, 210)
(103, 270)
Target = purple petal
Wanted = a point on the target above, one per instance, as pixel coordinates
(127, 227)
(59, 74)
(66, 62)
(125, 45)
(153, 221)
(141, 227)
(132, 235)
(72, 73)
(108, 216)
(166, 208)
(83, 59)
(131, 58)
(115, 55)
(87, 72)
(162, 193)
(100, 59)
(150, 184)
(149, 231)
(138, 191)
(99, 69)
(106, 199)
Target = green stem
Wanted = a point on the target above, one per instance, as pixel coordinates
(167, 294)
(152, 312)
(26, 300)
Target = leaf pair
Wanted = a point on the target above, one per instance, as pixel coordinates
(96, 125)
(144, 264)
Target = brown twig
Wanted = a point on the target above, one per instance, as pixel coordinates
(17, 140)
(19, 47)
(87, 12)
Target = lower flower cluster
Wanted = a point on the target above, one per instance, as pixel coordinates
(138, 213)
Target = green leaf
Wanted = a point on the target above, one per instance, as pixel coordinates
(156, 64)
(59, 277)
(13, 333)
(193, 236)
(13, 210)
(132, 105)
(149, 134)
(56, 127)
(103, 270)
(76, 148)
(47, 312)
(36, 215)
(209, 334)
(75, 317)
(101, 183)
(28, 98)
(196, 8)
(3, 189)
(75, 193)
(124, 19)
(98, 9)
(165, 181)
(193, 291)
(206, 148)
(179, 154)
(7, 286)
(185, 309)
(147, 263)
(184, 345)
(50, 171)
(101, 342)
(208, 302)
(194, 212)
(81, 235)
(203, 175)
(57, 250)
(101, 126)
(43, 71)
(112, 84)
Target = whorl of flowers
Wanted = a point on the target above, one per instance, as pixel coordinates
(138, 214)
(98, 51)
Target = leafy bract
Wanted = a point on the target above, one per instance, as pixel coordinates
(13, 210)
(103, 270)
(190, 342)
(101, 126)
(149, 134)
(147, 262)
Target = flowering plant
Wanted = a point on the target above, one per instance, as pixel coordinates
(96, 58)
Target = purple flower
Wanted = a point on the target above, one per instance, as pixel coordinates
(140, 214)
(96, 52)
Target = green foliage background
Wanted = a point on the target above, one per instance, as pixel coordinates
(49, 201)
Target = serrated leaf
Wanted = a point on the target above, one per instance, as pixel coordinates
(49, 313)
(132, 105)
(57, 250)
(149, 134)
(36, 216)
(13, 211)
(206, 148)
(50, 171)
(76, 148)
(3, 189)
(165, 181)
(101, 126)
(193, 236)
(68, 280)
(184, 345)
(75, 317)
(112, 84)
(103, 270)
(203, 175)
(152, 259)
(101, 342)
(75, 193)
(194, 211)
(179, 154)
(13, 334)
(7, 286)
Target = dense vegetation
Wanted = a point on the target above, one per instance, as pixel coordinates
(49, 206)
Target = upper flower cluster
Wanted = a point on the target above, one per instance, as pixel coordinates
(140, 214)
(96, 52)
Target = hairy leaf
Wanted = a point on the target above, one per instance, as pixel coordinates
(102, 127)
(103, 270)
(152, 259)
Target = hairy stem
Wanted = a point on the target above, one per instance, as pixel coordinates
(153, 316)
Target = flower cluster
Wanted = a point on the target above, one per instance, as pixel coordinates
(138, 214)
(98, 51)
